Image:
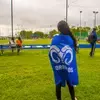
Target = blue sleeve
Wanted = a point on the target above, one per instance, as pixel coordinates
(95, 35)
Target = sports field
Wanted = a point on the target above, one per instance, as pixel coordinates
(30, 41)
(29, 76)
(38, 41)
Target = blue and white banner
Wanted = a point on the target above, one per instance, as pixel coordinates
(41, 46)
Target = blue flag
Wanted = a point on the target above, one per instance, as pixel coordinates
(63, 60)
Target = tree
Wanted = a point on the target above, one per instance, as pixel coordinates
(29, 34)
(26, 34)
(52, 33)
(23, 33)
(46, 35)
(38, 34)
(98, 31)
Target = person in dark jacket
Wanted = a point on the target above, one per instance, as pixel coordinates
(93, 39)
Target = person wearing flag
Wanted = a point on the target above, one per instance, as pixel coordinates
(92, 38)
(62, 55)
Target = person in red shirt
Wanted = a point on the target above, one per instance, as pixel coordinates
(19, 44)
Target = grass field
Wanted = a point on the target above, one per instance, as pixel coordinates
(29, 76)
(30, 41)
(38, 41)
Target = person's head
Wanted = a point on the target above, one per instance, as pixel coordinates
(12, 38)
(94, 29)
(19, 38)
(63, 27)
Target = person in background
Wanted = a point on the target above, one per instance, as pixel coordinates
(2, 50)
(12, 44)
(19, 44)
(92, 39)
(77, 42)
(62, 55)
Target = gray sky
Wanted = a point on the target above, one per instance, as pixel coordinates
(43, 13)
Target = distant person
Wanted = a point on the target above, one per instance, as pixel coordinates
(62, 56)
(19, 44)
(12, 44)
(2, 50)
(77, 41)
(92, 38)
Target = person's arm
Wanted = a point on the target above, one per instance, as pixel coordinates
(95, 36)
(16, 41)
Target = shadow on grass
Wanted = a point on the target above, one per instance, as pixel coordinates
(6, 53)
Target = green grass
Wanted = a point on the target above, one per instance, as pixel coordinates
(29, 76)
(30, 41)
(83, 42)
(4, 41)
(39, 41)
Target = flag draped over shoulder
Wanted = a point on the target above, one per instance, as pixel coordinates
(63, 60)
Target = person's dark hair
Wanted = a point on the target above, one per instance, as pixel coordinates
(63, 27)
(19, 38)
(13, 39)
(94, 29)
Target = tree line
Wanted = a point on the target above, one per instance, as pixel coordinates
(75, 30)
(38, 34)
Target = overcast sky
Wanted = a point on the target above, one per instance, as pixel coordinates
(43, 13)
